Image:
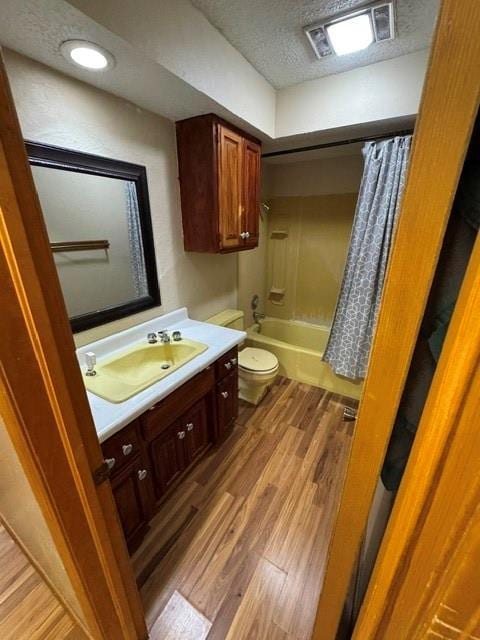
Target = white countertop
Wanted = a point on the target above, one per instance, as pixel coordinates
(110, 417)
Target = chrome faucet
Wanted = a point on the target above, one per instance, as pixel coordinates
(164, 337)
(257, 316)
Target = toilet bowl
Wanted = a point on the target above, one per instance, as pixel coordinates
(257, 370)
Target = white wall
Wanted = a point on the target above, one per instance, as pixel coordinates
(180, 38)
(380, 91)
(58, 110)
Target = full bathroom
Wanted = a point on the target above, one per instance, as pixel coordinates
(206, 248)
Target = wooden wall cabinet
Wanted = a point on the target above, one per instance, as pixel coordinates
(219, 172)
(149, 456)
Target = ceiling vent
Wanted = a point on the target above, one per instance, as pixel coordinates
(352, 31)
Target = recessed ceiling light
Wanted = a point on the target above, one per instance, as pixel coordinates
(353, 31)
(352, 34)
(87, 55)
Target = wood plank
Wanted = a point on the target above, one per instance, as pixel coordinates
(254, 617)
(215, 556)
(447, 113)
(180, 621)
(28, 608)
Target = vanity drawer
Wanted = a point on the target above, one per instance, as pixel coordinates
(164, 413)
(227, 363)
(122, 446)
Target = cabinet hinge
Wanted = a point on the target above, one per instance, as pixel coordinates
(102, 473)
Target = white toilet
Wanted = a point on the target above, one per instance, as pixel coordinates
(257, 368)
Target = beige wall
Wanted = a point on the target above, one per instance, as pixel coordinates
(252, 265)
(62, 111)
(304, 237)
(21, 513)
(381, 91)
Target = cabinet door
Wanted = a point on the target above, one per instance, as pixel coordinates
(227, 403)
(230, 187)
(196, 427)
(251, 193)
(167, 455)
(131, 495)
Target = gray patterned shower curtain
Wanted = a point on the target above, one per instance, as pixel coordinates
(137, 261)
(382, 185)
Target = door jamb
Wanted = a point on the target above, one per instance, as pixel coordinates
(44, 403)
(448, 109)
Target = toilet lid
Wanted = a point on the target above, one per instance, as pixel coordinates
(257, 359)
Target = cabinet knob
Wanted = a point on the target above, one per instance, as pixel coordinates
(181, 435)
(142, 474)
(233, 361)
(228, 365)
(243, 235)
(247, 235)
(110, 462)
(189, 426)
(127, 449)
(224, 394)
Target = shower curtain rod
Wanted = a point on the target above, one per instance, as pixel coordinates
(339, 143)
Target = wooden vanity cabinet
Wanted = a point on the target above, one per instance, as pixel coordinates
(131, 492)
(131, 482)
(226, 392)
(219, 172)
(149, 456)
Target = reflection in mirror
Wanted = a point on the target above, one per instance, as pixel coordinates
(99, 228)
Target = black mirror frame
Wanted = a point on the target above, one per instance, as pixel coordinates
(44, 155)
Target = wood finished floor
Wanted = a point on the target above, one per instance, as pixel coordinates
(28, 608)
(238, 551)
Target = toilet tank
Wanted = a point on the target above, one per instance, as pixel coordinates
(232, 318)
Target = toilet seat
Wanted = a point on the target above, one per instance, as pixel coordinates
(257, 360)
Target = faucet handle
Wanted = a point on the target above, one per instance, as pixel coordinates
(152, 338)
(177, 336)
(90, 361)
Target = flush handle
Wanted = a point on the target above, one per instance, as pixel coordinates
(181, 435)
(224, 394)
(189, 426)
(127, 449)
(142, 474)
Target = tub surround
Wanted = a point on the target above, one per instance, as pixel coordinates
(109, 417)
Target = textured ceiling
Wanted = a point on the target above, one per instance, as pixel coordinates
(269, 33)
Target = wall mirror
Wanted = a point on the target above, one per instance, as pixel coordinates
(97, 215)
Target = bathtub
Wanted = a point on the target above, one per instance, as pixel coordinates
(299, 347)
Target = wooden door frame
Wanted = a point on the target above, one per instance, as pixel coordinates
(437, 507)
(448, 108)
(44, 404)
